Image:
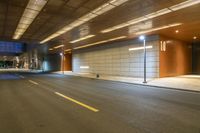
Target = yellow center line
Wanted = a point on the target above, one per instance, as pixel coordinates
(77, 102)
(33, 82)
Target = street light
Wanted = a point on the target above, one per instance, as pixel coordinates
(62, 62)
(142, 38)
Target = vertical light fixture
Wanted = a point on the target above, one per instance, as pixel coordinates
(62, 62)
(142, 38)
(62, 54)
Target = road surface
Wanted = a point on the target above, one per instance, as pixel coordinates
(50, 103)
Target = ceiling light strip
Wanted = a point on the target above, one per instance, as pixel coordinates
(59, 46)
(96, 12)
(161, 12)
(185, 4)
(83, 38)
(100, 42)
(68, 50)
(158, 28)
(84, 67)
(140, 48)
(31, 11)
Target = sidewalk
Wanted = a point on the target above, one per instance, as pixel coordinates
(20, 70)
(185, 82)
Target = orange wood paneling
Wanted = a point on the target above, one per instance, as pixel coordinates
(66, 63)
(177, 59)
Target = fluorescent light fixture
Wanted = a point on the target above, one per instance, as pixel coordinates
(94, 13)
(76, 23)
(31, 11)
(115, 27)
(87, 17)
(116, 38)
(59, 46)
(84, 67)
(67, 50)
(22, 26)
(158, 13)
(158, 28)
(100, 42)
(117, 2)
(104, 8)
(139, 48)
(140, 26)
(82, 38)
(131, 22)
(184, 4)
(128, 23)
(137, 20)
(152, 15)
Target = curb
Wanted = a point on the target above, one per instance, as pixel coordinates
(169, 88)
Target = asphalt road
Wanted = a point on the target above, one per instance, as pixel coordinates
(50, 103)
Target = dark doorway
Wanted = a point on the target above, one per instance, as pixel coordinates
(196, 58)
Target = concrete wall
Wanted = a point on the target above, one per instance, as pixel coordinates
(116, 59)
(52, 62)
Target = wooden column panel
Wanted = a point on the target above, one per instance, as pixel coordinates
(68, 62)
(175, 57)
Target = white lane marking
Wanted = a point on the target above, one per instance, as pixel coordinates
(77, 102)
(33, 82)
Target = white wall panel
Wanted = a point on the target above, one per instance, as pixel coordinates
(118, 60)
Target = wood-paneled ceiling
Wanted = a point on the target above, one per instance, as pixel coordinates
(58, 13)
